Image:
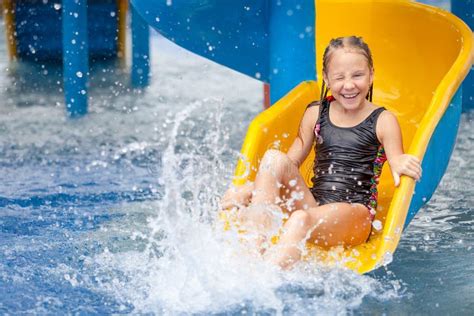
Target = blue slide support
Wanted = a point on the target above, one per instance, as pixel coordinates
(272, 41)
(75, 56)
(292, 55)
(438, 153)
(140, 50)
(464, 9)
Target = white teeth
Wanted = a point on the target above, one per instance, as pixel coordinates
(349, 96)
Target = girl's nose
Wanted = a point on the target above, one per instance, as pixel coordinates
(348, 84)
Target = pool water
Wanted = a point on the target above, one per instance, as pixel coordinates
(114, 212)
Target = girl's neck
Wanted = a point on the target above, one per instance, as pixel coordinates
(361, 108)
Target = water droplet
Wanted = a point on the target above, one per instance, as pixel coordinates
(257, 75)
(79, 74)
(292, 183)
(297, 195)
(377, 225)
(112, 13)
(387, 258)
(57, 6)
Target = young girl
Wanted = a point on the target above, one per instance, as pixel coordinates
(352, 138)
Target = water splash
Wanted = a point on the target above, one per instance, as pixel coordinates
(184, 262)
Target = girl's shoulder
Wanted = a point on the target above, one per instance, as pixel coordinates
(378, 111)
(387, 124)
(314, 104)
(385, 114)
(313, 109)
(311, 114)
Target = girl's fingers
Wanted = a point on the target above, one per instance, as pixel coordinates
(413, 158)
(411, 171)
(415, 173)
(415, 165)
(230, 205)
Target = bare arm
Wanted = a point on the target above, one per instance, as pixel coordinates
(389, 134)
(302, 144)
(299, 150)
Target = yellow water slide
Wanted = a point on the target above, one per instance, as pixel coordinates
(421, 56)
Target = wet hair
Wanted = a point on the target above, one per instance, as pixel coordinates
(352, 42)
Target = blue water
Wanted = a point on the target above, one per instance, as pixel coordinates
(443, 4)
(113, 213)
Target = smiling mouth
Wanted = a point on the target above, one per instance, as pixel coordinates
(350, 96)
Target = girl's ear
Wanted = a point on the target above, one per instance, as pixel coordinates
(371, 76)
(326, 81)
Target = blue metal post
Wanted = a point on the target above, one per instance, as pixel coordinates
(75, 56)
(140, 50)
(292, 45)
(465, 10)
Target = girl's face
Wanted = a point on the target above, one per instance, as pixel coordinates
(349, 77)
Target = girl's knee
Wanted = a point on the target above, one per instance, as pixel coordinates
(274, 159)
(301, 219)
(274, 155)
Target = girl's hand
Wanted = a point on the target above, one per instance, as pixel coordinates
(405, 165)
(237, 196)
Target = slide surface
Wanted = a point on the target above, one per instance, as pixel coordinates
(421, 56)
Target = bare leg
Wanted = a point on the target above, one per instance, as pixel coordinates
(277, 173)
(328, 225)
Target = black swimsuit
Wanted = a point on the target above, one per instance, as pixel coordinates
(348, 161)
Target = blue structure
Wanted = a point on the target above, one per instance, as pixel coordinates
(272, 41)
(437, 154)
(73, 32)
(140, 50)
(75, 56)
(38, 29)
(465, 10)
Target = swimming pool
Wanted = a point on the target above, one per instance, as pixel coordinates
(113, 213)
